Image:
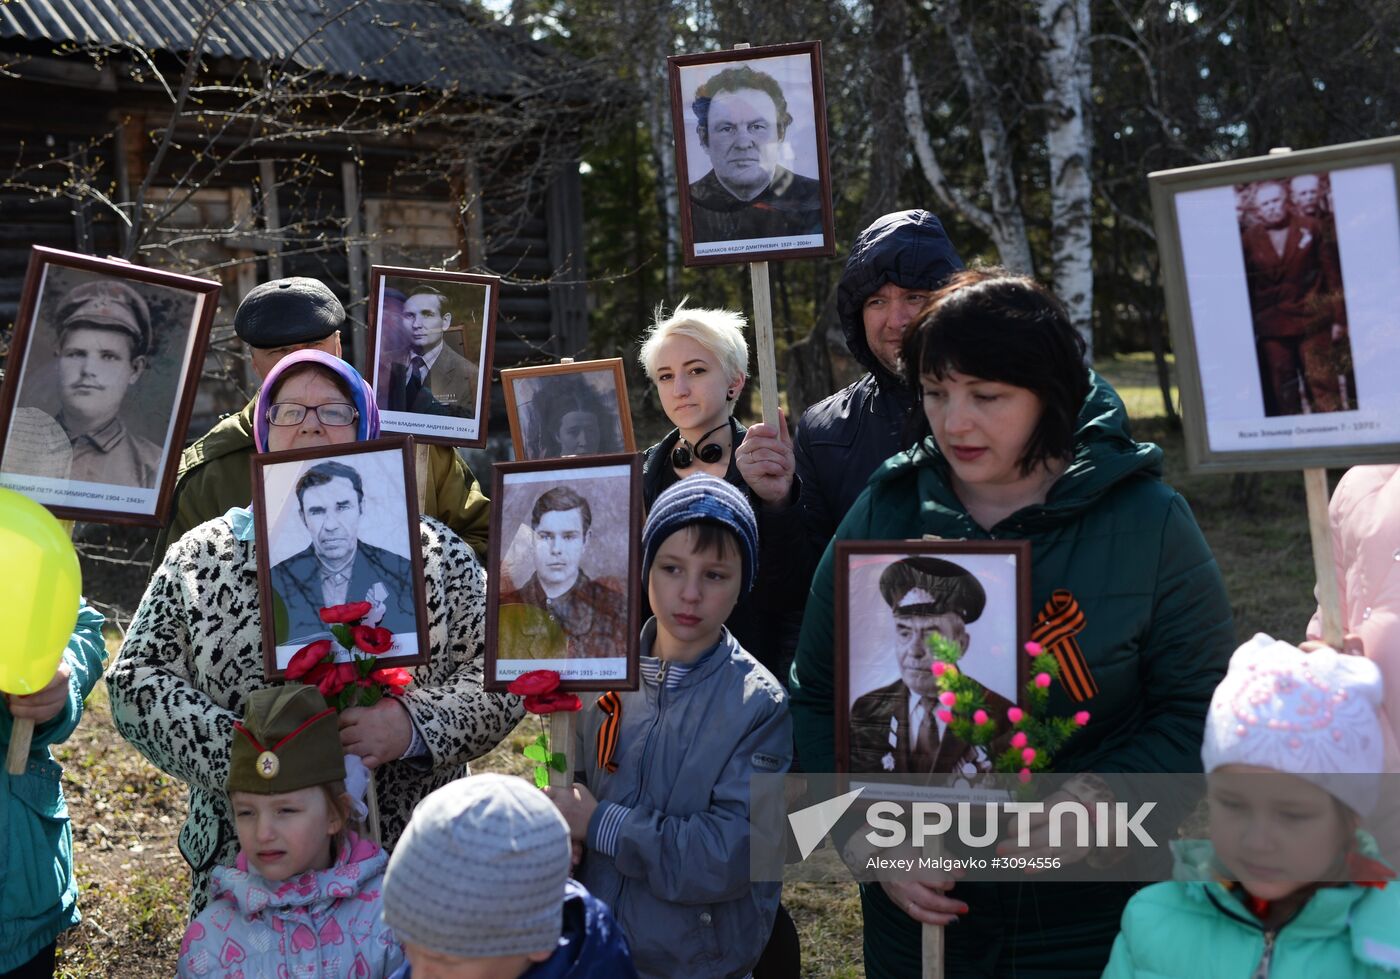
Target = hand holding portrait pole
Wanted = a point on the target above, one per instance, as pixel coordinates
(42, 575)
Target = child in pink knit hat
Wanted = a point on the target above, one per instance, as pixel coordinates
(1286, 885)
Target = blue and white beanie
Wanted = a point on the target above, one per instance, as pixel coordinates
(702, 499)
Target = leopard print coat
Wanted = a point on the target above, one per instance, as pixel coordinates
(194, 653)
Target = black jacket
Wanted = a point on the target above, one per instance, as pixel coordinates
(842, 440)
(758, 620)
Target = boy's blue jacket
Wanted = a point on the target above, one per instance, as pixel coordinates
(678, 876)
(38, 894)
(591, 947)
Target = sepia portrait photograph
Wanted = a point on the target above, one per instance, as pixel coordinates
(561, 410)
(430, 342)
(564, 568)
(891, 598)
(751, 154)
(99, 385)
(1281, 277)
(339, 525)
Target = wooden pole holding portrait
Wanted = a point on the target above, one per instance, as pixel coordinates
(1261, 257)
(754, 177)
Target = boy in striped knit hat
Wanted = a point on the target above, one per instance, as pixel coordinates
(662, 805)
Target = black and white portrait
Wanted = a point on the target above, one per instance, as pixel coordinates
(893, 603)
(751, 133)
(568, 409)
(339, 531)
(563, 565)
(432, 343)
(103, 364)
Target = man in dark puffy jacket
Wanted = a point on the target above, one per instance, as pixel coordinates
(894, 266)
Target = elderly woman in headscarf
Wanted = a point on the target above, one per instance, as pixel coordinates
(194, 650)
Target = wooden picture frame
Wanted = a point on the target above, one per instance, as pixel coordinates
(561, 410)
(1280, 277)
(598, 559)
(99, 385)
(452, 404)
(985, 585)
(388, 568)
(791, 215)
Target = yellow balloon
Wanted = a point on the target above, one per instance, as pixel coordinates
(42, 582)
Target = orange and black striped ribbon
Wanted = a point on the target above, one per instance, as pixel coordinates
(1055, 628)
(611, 705)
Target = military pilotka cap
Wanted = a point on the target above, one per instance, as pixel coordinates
(108, 306)
(287, 311)
(932, 586)
(288, 740)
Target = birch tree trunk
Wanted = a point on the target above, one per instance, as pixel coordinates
(1004, 223)
(1068, 142)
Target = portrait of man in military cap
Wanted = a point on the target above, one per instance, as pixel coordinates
(103, 370)
(894, 722)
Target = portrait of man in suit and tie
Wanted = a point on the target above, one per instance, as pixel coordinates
(431, 377)
(894, 728)
(338, 566)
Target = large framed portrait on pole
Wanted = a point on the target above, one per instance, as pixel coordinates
(1282, 274)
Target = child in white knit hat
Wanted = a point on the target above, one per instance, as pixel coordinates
(1286, 886)
(478, 888)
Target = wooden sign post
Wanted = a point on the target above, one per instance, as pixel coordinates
(763, 339)
(1329, 601)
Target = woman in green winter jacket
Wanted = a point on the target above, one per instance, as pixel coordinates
(1027, 443)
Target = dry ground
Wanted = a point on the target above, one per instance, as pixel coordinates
(126, 814)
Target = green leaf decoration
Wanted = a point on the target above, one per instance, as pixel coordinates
(541, 777)
(537, 754)
(543, 741)
(557, 761)
(342, 635)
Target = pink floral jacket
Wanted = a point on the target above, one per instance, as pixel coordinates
(1365, 518)
(324, 923)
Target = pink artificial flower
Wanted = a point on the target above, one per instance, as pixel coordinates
(947, 698)
(1034, 648)
(1014, 715)
(939, 667)
(946, 716)
(1018, 740)
(1028, 755)
(1042, 679)
(1024, 775)
(1081, 718)
(979, 717)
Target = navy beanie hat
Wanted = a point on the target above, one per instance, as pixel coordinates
(702, 499)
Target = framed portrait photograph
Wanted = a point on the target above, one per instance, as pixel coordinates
(99, 385)
(337, 525)
(1282, 274)
(891, 598)
(431, 338)
(574, 409)
(563, 588)
(751, 155)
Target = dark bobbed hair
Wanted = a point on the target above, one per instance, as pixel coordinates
(999, 326)
(572, 394)
(735, 80)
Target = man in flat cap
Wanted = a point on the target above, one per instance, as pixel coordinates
(275, 319)
(104, 335)
(895, 728)
(430, 377)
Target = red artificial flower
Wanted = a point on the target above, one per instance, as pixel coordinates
(548, 703)
(372, 640)
(350, 612)
(307, 657)
(395, 680)
(336, 679)
(534, 683)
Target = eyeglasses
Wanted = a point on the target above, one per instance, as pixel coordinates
(337, 414)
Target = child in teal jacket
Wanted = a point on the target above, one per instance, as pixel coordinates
(38, 895)
(1286, 887)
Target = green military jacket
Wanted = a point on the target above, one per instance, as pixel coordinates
(215, 475)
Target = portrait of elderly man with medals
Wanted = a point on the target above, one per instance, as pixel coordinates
(895, 728)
